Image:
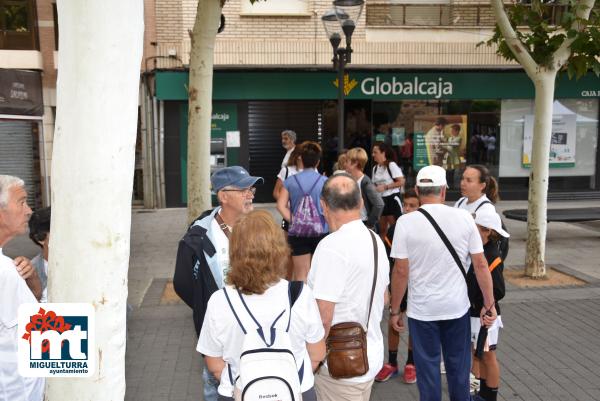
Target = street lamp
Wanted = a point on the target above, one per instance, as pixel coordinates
(340, 20)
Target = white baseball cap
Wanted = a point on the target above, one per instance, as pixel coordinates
(431, 176)
(484, 217)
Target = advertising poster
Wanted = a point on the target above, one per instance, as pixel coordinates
(440, 140)
(562, 145)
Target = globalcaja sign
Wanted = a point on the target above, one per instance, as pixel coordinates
(373, 85)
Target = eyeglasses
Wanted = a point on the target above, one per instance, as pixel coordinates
(244, 191)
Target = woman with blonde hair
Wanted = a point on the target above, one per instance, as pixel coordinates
(258, 254)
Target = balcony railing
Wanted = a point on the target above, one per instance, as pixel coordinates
(438, 15)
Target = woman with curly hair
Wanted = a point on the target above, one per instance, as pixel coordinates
(258, 253)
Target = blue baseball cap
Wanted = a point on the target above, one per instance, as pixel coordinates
(234, 176)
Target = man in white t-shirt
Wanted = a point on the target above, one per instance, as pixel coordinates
(203, 253)
(341, 277)
(288, 141)
(14, 215)
(438, 302)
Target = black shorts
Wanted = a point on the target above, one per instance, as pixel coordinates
(304, 245)
(391, 205)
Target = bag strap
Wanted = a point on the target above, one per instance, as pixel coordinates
(313, 185)
(445, 240)
(481, 204)
(461, 201)
(287, 172)
(375, 261)
(224, 227)
(298, 182)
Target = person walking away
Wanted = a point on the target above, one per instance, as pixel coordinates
(490, 229)
(299, 205)
(255, 289)
(203, 253)
(349, 285)
(433, 268)
(356, 160)
(388, 180)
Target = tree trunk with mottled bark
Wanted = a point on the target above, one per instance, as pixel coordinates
(535, 261)
(92, 179)
(200, 106)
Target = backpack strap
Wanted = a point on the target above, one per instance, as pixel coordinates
(461, 201)
(445, 240)
(233, 310)
(287, 172)
(298, 182)
(481, 204)
(389, 171)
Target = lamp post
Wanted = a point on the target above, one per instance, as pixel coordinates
(340, 20)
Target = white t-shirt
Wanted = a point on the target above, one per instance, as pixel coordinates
(291, 170)
(436, 287)
(221, 335)
(381, 175)
(13, 293)
(286, 158)
(342, 272)
(221, 244)
(463, 203)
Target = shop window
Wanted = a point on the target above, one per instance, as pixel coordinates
(275, 8)
(451, 134)
(17, 25)
(574, 142)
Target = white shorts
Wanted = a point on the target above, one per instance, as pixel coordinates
(493, 331)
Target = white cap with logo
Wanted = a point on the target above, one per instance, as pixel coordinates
(484, 217)
(431, 176)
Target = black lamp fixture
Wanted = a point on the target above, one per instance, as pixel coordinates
(341, 20)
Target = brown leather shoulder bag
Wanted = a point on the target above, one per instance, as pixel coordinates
(347, 341)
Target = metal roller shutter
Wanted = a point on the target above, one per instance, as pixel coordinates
(266, 120)
(17, 155)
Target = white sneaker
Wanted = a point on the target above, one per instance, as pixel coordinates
(474, 384)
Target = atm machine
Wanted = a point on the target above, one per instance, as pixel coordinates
(218, 154)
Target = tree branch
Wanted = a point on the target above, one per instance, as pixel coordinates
(516, 46)
(582, 12)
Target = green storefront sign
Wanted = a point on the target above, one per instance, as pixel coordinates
(224, 118)
(385, 86)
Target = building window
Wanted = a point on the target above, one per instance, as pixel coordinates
(276, 8)
(17, 25)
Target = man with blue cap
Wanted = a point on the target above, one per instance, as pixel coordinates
(203, 253)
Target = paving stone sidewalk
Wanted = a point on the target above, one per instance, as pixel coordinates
(549, 349)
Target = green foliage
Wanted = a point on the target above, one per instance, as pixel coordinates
(542, 27)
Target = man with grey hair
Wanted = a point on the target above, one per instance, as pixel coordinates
(14, 216)
(203, 253)
(288, 141)
(434, 257)
(341, 277)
